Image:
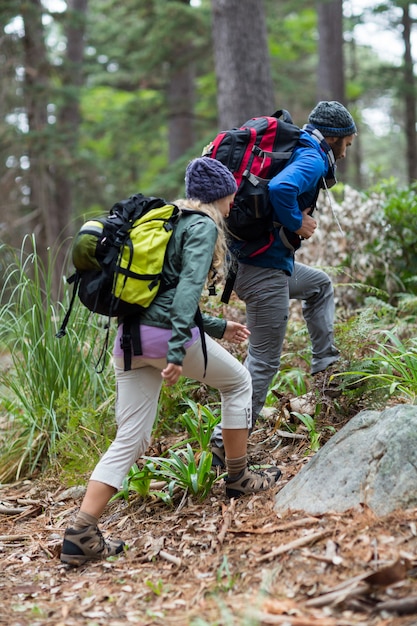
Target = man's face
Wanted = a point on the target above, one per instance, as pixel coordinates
(339, 145)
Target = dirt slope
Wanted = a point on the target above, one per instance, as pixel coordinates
(220, 562)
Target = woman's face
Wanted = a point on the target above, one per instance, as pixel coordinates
(225, 204)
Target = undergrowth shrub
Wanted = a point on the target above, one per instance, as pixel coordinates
(49, 378)
(57, 411)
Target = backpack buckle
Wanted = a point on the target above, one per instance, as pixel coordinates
(125, 340)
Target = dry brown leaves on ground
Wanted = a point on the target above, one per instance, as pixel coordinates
(221, 561)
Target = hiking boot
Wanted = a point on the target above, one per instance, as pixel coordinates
(88, 544)
(252, 481)
(218, 457)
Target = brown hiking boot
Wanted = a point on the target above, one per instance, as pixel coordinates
(252, 481)
(88, 544)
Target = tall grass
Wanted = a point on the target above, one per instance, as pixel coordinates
(392, 367)
(49, 377)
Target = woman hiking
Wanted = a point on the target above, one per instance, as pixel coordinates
(171, 347)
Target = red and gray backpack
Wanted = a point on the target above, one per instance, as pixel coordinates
(254, 153)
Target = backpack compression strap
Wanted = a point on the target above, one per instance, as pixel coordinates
(75, 278)
(130, 339)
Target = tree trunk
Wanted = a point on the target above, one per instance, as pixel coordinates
(409, 97)
(51, 150)
(36, 88)
(330, 72)
(244, 82)
(331, 67)
(68, 123)
(181, 107)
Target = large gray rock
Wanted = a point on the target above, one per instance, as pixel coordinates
(372, 460)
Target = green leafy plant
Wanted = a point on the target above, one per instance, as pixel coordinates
(225, 579)
(188, 474)
(156, 588)
(188, 470)
(393, 367)
(399, 208)
(137, 481)
(287, 381)
(199, 422)
(310, 423)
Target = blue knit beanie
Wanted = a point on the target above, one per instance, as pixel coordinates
(332, 119)
(208, 180)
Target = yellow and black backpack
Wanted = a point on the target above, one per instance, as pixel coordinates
(118, 260)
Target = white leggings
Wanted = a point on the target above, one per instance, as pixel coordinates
(137, 403)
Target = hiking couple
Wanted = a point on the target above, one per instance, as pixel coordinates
(171, 343)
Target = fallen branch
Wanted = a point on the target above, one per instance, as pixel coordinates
(360, 585)
(404, 606)
(267, 618)
(332, 598)
(14, 538)
(9, 510)
(170, 557)
(297, 543)
(227, 518)
(276, 529)
(287, 435)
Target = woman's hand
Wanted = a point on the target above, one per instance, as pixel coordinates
(171, 373)
(235, 332)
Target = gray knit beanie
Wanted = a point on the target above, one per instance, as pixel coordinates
(208, 180)
(332, 119)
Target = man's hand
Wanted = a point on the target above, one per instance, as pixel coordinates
(235, 332)
(308, 226)
(171, 373)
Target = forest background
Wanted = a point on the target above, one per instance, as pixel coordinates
(100, 99)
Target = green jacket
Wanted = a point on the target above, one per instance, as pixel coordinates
(188, 260)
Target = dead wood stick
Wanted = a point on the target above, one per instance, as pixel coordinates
(8, 510)
(360, 584)
(14, 537)
(28, 501)
(331, 560)
(297, 543)
(339, 593)
(336, 597)
(170, 557)
(403, 606)
(276, 529)
(227, 518)
(268, 618)
(287, 435)
(348, 583)
(157, 485)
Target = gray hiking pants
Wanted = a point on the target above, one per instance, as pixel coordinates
(266, 293)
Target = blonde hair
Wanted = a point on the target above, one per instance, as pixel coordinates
(219, 262)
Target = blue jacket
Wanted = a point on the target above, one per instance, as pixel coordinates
(291, 191)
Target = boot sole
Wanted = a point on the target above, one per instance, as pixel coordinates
(75, 561)
(80, 559)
